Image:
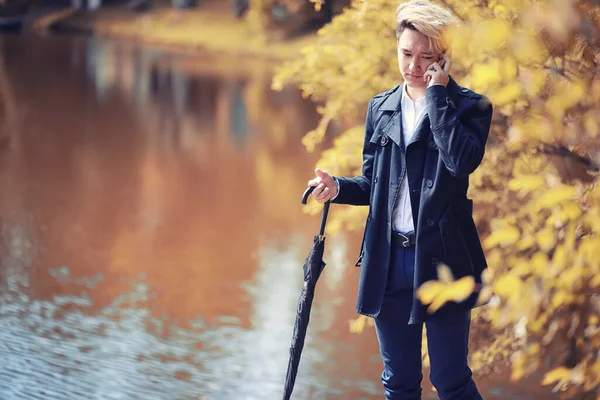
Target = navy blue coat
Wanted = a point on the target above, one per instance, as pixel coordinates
(446, 147)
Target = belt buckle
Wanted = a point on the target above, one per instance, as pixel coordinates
(405, 239)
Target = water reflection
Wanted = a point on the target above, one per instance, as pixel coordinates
(152, 237)
(144, 253)
(124, 351)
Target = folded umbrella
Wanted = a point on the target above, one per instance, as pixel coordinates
(313, 266)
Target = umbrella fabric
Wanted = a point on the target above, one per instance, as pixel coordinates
(312, 270)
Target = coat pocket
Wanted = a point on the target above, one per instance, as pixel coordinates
(456, 252)
(470, 236)
(362, 245)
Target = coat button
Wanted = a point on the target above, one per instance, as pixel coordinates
(434, 261)
(375, 180)
(465, 90)
(430, 222)
(429, 183)
(384, 140)
(450, 102)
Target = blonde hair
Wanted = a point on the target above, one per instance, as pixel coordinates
(427, 18)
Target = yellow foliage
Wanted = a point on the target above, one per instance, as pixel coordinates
(536, 193)
(526, 182)
(507, 235)
(358, 325)
(546, 239)
(437, 293)
(554, 196)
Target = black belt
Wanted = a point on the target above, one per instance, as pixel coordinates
(403, 239)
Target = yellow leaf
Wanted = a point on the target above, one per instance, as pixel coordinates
(546, 239)
(357, 325)
(556, 375)
(525, 242)
(560, 256)
(444, 274)
(572, 209)
(495, 32)
(487, 72)
(552, 197)
(561, 298)
(429, 291)
(527, 182)
(461, 289)
(539, 263)
(436, 293)
(507, 284)
(507, 93)
(507, 235)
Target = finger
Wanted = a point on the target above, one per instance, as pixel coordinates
(447, 63)
(435, 67)
(324, 194)
(320, 173)
(317, 190)
(427, 75)
(314, 182)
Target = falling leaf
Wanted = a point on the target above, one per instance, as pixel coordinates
(444, 273)
(436, 293)
(557, 374)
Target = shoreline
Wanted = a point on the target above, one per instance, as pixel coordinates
(209, 30)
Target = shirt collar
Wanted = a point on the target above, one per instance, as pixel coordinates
(406, 100)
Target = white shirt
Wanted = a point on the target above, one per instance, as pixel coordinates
(412, 113)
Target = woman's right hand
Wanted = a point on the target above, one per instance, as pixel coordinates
(325, 186)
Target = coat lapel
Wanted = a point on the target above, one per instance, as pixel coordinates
(422, 130)
(393, 128)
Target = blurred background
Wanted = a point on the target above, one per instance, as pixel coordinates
(151, 231)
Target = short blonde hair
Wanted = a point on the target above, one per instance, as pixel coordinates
(427, 18)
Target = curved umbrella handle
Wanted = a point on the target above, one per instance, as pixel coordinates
(305, 195)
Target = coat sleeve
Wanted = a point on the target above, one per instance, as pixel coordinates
(460, 135)
(356, 191)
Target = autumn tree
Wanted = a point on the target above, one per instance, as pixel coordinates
(536, 192)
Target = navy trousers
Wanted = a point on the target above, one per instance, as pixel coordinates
(400, 343)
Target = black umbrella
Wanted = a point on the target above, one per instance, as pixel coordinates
(313, 267)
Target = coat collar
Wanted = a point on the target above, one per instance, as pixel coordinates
(394, 100)
(393, 103)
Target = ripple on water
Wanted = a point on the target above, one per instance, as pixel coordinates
(58, 350)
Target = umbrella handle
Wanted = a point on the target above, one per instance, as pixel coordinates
(305, 195)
